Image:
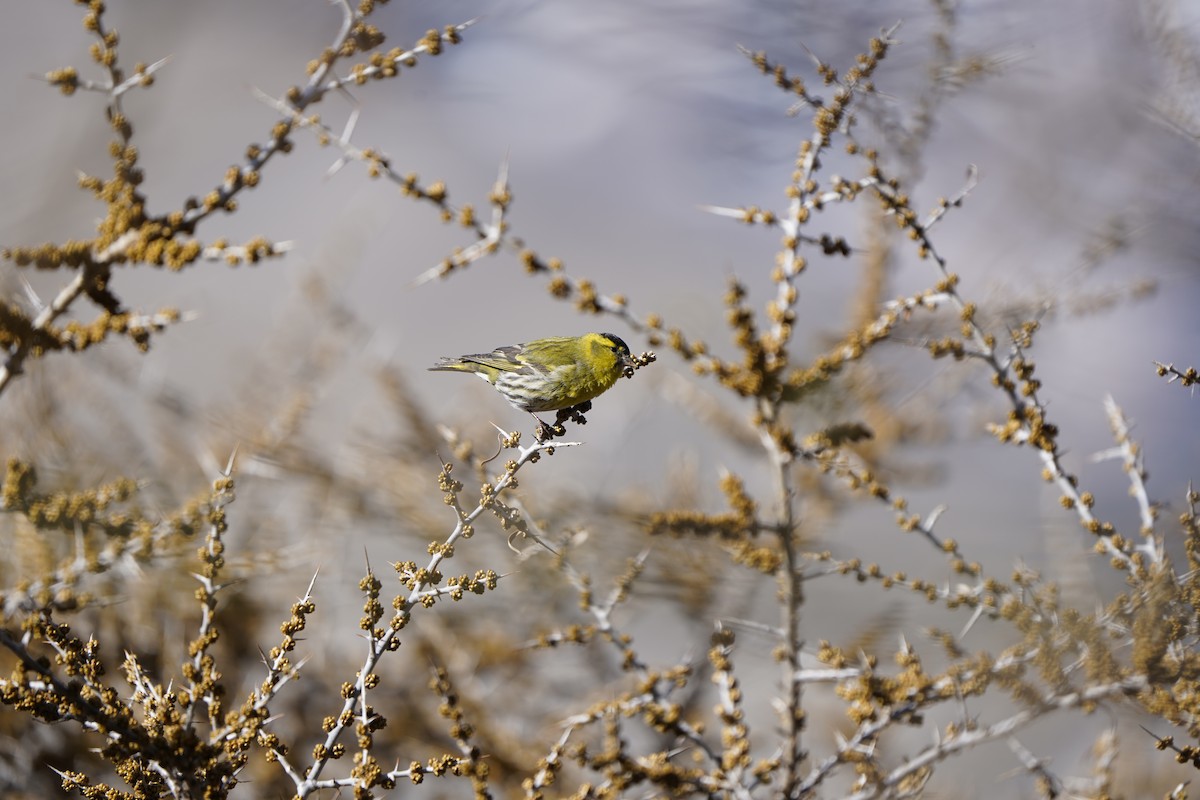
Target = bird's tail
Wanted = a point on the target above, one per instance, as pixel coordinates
(451, 365)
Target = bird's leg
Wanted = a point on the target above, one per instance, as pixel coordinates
(545, 431)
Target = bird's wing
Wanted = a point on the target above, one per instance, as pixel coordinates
(504, 359)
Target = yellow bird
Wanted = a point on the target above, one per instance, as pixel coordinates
(549, 374)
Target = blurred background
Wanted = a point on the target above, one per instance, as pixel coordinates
(620, 121)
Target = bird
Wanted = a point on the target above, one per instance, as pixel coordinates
(549, 374)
